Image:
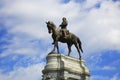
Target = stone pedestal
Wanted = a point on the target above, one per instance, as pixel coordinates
(61, 67)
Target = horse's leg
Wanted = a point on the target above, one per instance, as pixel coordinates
(76, 45)
(53, 39)
(57, 48)
(56, 45)
(69, 49)
(54, 48)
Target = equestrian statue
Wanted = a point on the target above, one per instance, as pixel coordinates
(64, 36)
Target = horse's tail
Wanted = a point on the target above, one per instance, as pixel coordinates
(80, 44)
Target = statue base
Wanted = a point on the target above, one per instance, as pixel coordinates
(61, 67)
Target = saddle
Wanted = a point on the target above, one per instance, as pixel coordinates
(64, 32)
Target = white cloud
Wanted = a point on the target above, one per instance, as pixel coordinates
(32, 72)
(95, 27)
(27, 20)
(90, 3)
(97, 77)
(108, 68)
(115, 77)
(100, 28)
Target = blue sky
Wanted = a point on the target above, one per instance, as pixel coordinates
(25, 42)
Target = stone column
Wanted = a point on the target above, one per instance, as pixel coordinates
(61, 67)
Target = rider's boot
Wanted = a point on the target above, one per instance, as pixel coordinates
(64, 35)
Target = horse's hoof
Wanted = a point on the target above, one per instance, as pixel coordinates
(52, 52)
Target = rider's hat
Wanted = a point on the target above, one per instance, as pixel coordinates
(63, 18)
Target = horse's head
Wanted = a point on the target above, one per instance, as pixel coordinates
(50, 26)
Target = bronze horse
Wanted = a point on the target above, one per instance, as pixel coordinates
(70, 39)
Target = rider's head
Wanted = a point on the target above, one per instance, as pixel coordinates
(63, 18)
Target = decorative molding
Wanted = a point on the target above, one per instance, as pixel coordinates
(61, 67)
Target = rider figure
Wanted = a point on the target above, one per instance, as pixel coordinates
(63, 26)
